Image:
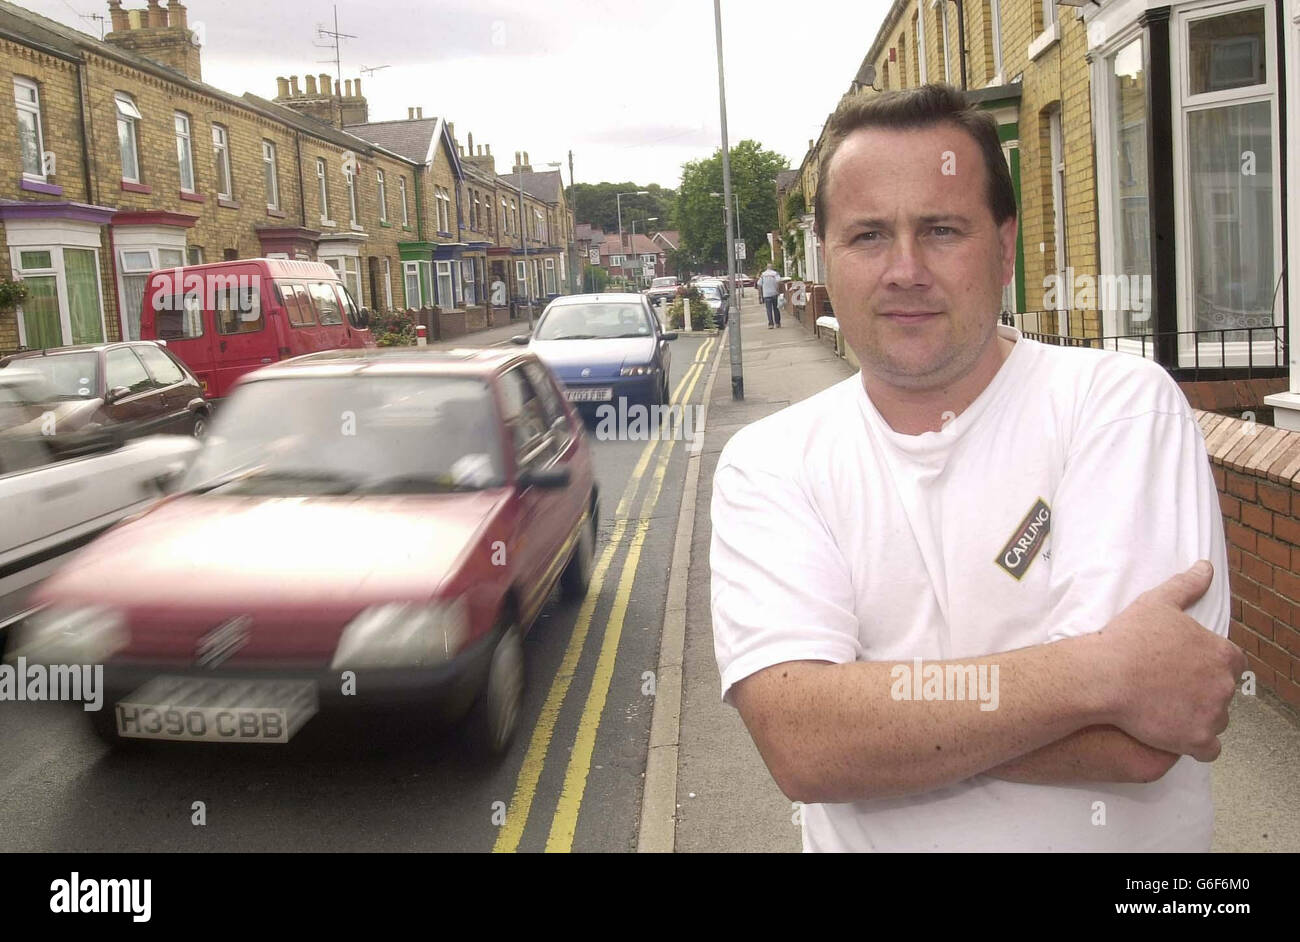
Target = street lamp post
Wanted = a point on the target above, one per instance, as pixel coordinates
(523, 238)
(733, 323)
(618, 203)
(633, 246)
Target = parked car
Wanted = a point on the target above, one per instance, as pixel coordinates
(228, 318)
(116, 391)
(663, 289)
(604, 346)
(715, 296)
(401, 515)
(52, 504)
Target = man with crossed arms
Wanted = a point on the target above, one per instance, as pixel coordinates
(975, 500)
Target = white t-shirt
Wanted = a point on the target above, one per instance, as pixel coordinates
(836, 538)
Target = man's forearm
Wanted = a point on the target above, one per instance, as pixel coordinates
(1093, 754)
(835, 732)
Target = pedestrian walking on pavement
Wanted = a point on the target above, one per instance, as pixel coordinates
(911, 570)
(769, 289)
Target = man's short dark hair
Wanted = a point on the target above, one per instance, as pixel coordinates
(913, 109)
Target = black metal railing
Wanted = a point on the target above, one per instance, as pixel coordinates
(1264, 355)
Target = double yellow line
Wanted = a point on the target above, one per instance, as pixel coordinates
(565, 820)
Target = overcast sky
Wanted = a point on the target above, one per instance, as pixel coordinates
(630, 87)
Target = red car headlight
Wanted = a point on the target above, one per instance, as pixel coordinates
(403, 634)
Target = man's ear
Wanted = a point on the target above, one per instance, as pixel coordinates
(1007, 238)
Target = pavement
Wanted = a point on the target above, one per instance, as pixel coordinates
(724, 796)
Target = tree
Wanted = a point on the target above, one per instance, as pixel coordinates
(597, 204)
(753, 181)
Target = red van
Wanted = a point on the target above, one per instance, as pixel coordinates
(228, 318)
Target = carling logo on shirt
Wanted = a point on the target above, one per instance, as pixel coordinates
(1025, 544)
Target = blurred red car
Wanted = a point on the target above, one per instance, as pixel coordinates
(392, 522)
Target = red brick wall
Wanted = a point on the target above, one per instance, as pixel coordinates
(1257, 470)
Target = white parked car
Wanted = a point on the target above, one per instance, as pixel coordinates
(52, 505)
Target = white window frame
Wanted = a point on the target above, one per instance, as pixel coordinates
(552, 286)
(920, 45)
(1049, 15)
(388, 284)
(269, 164)
(995, 14)
(411, 270)
(350, 184)
(150, 240)
(184, 150)
(221, 158)
(1101, 81)
(18, 243)
(1235, 353)
(1056, 157)
(521, 277)
(382, 191)
(469, 286)
(406, 217)
(505, 217)
(32, 108)
(442, 266)
(943, 24)
(323, 192)
(129, 115)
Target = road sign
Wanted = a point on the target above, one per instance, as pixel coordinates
(595, 256)
(740, 250)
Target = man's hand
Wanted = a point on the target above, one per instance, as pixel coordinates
(1170, 679)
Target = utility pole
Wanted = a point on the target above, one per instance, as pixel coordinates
(733, 323)
(573, 188)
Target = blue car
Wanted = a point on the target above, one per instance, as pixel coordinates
(603, 347)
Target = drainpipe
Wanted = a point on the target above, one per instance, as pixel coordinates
(87, 136)
(302, 196)
(961, 41)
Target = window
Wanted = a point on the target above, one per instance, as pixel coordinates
(128, 117)
(505, 217)
(297, 304)
(444, 296)
(30, 142)
(401, 188)
(411, 281)
(521, 278)
(238, 308)
(322, 190)
(349, 269)
(350, 307)
(616, 261)
(523, 415)
(995, 20)
(1129, 229)
(134, 269)
(1057, 171)
(388, 284)
(383, 195)
(1049, 14)
(947, 56)
(443, 204)
(272, 175)
(161, 367)
(473, 219)
(123, 370)
(180, 317)
(468, 281)
(552, 405)
(194, 254)
(539, 230)
(1230, 204)
(221, 160)
(550, 276)
(184, 152)
(63, 302)
(327, 304)
(350, 181)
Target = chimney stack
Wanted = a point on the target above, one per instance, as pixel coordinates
(356, 87)
(480, 150)
(326, 86)
(311, 86)
(419, 111)
(489, 149)
(176, 16)
(157, 15)
(347, 88)
(119, 16)
(293, 86)
(281, 87)
(410, 114)
(469, 140)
